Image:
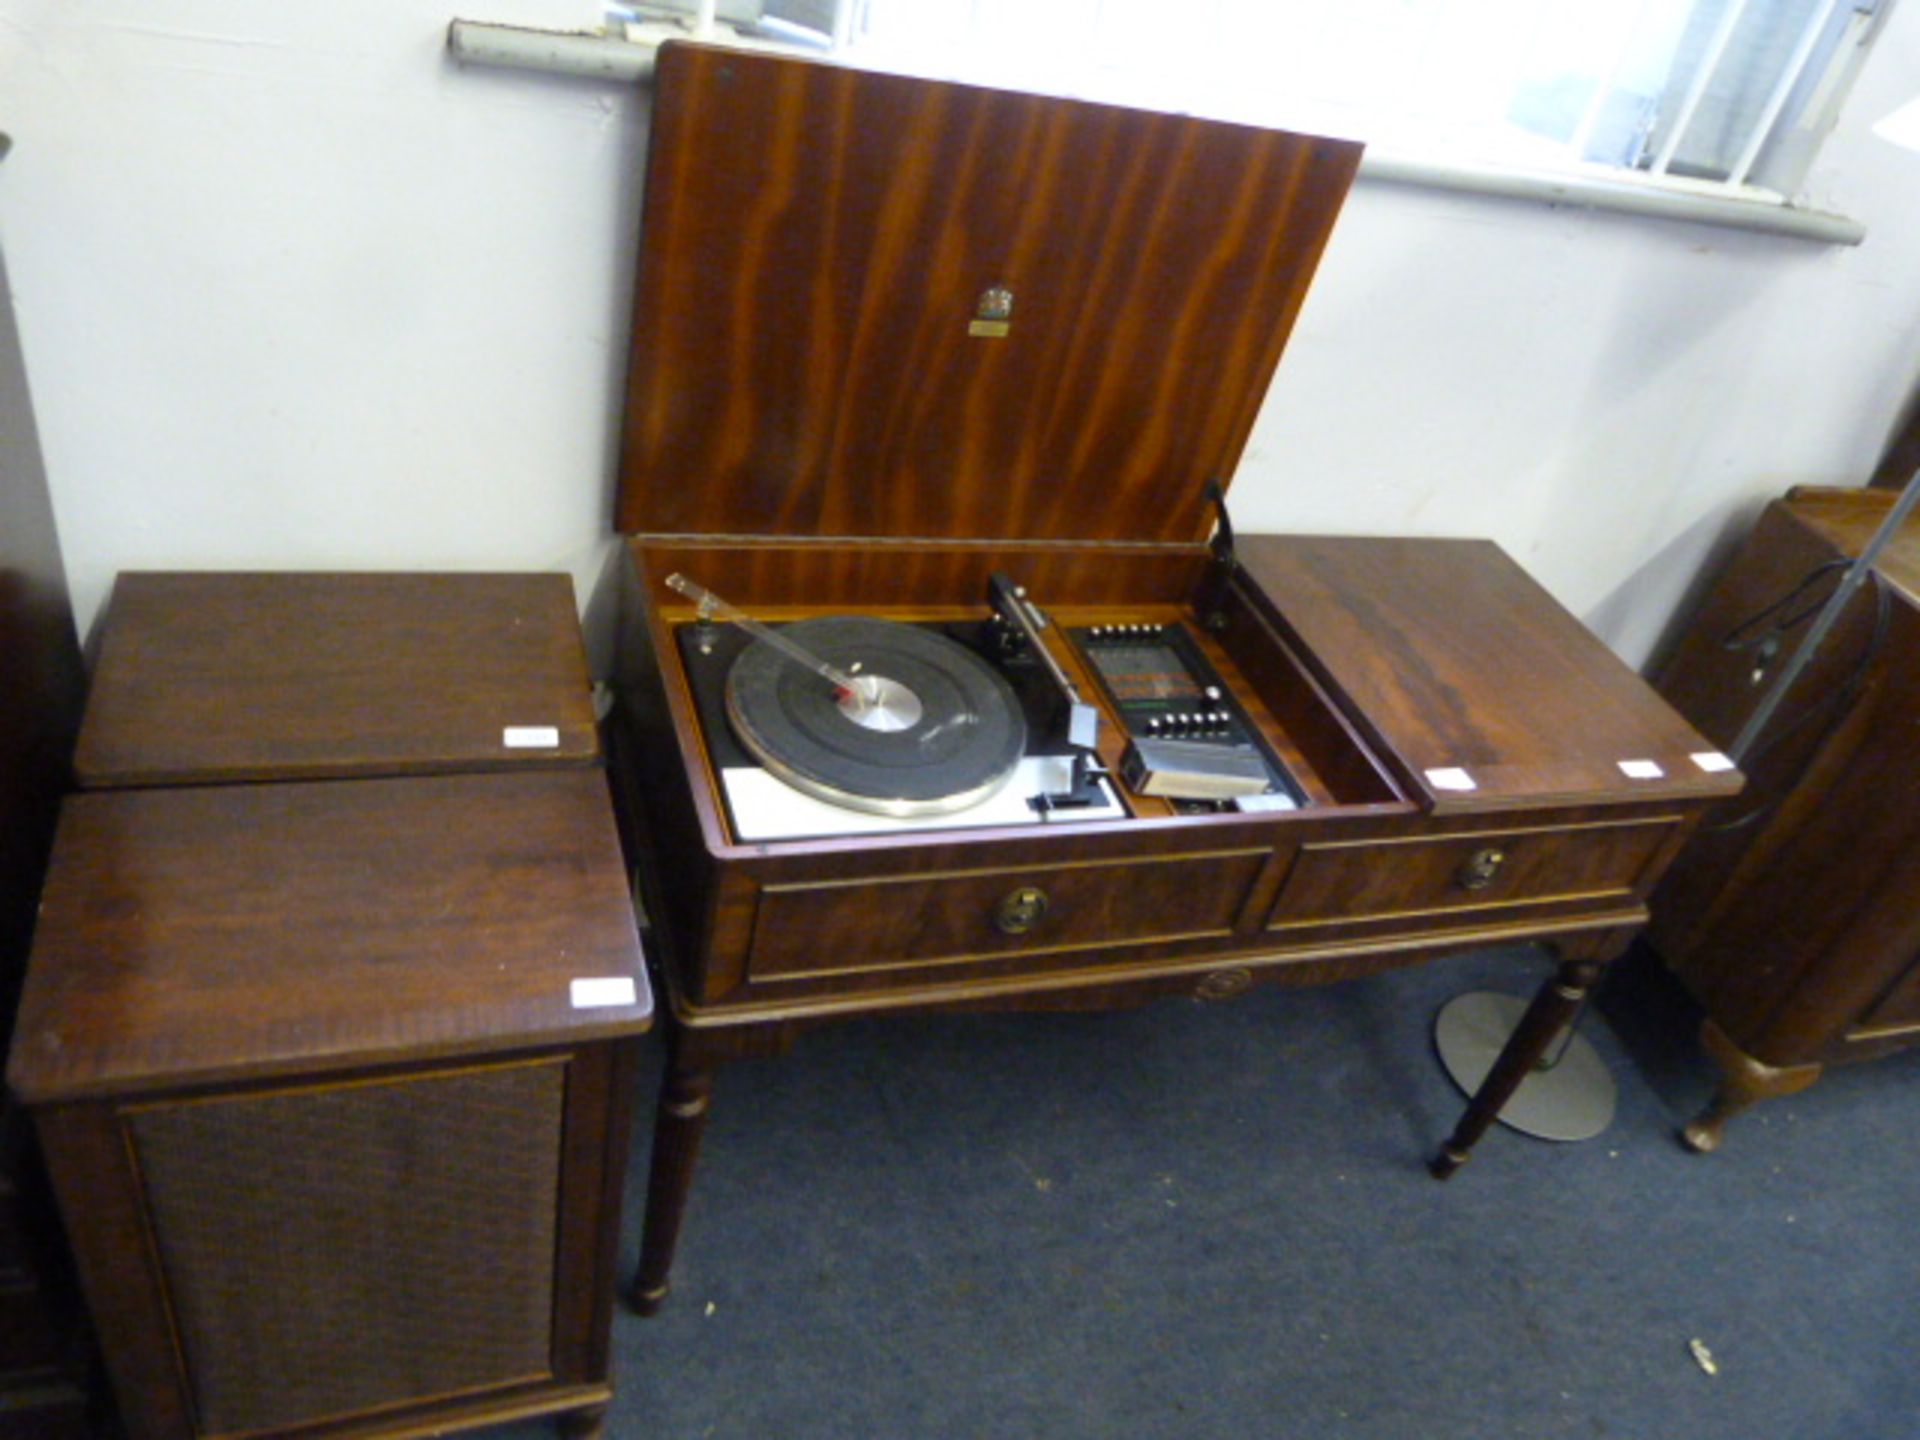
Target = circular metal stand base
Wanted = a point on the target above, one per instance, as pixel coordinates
(1572, 1100)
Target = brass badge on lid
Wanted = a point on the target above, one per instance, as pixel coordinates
(992, 316)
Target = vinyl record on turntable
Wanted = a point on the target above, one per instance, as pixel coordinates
(938, 729)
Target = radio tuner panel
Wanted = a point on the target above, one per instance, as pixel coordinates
(1188, 738)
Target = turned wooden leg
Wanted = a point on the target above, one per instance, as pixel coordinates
(1743, 1080)
(587, 1424)
(1554, 1007)
(679, 1122)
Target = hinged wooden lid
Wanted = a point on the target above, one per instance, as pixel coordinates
(872, 305)
(1488, 694)
(1847, 518)
(206, 678)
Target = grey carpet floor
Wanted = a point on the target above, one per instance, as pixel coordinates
(1199, 1220)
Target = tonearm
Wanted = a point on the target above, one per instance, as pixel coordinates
(1024, 622)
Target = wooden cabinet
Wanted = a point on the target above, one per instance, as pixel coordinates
(1795, 916)
(774, 931)
(961, 334)
(334, 1142)
(43, 1346)
(333, 1067)
(1579, 797)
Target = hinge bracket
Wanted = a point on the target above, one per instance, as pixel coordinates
(1219, 581)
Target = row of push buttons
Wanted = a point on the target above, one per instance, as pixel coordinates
(1198, 722)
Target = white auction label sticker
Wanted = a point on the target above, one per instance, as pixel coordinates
(604, 990)
(1450, 778)
(1641, 770)
(1712, 761)
(530, 737)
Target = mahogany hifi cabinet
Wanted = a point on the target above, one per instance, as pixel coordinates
(963, 343)
(1794, 918)
(333, 1062)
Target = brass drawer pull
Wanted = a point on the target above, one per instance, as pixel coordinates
(1021, 910)
(1477, 872)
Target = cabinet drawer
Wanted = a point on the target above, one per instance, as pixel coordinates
(846, 926)
(1391, 879)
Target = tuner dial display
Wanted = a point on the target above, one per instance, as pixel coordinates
(1201, 746)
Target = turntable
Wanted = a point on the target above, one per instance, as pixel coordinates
(943, 680)
(845, 725)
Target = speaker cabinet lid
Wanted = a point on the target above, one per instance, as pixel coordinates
(285, 676)
(876, 305)
(195, 935)
(1846, 518)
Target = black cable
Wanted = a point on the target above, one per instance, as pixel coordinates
(1734, 638)
(1768, 643)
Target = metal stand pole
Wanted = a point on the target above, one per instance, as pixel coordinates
(1856, 575)
(1570, 1096)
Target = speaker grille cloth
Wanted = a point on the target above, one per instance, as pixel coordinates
(330, 1251)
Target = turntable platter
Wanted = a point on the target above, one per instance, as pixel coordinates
(939, 729)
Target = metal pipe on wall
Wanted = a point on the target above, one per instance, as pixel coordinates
(1666, 201)
(599, 57)
(606, 57)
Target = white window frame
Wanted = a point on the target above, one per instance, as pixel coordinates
(1739, 201)
(1828, 43)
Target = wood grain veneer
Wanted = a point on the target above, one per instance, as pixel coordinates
(222, 677)
(1457, 658)
(338, 1152)
(1795, 918)
(190, 935)
(1846, 519)
(907, 577)
(1396, 880)
(812, 427)
(760, 941)
(817, 241)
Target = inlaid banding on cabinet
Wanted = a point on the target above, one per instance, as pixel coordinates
(875, 923)
(1408, 878)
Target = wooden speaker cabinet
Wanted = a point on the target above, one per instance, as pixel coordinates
(1795, 917)
(336, 1132)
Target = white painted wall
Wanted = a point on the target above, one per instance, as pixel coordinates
(297, 291)
(1611, 398)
